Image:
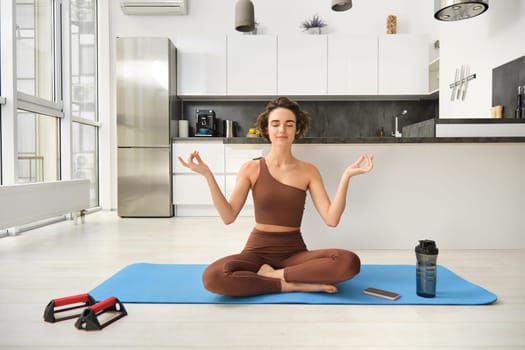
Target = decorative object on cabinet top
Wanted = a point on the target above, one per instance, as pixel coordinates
(391, 24)
(341, 5)
(244, 16)
(313, 25)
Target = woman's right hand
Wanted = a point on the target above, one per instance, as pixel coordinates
(195, 163)
(362, 166)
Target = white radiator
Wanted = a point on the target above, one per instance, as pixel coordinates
(22, 204)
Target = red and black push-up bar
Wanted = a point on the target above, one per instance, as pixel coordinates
(61, 306)
(110, 309)
(88, 320)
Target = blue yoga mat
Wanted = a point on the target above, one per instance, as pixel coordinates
(181, 284)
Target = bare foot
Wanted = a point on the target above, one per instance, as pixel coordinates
(307, 287)
(268, 271)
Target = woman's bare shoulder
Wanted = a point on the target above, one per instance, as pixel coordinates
(310, 172)
(309, 168)
(250, 167)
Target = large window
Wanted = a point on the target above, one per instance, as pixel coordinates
(38, 74)
(35, 46)
(52, 128)
(40, 38)
(84, 134)
(85, 156)
(83, 60)
(2, 100)
(38, 147)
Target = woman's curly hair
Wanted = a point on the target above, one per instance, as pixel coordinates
(302, 118)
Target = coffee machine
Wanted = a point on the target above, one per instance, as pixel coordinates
(205, 123)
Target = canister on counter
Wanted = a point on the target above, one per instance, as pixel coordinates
(228, 127)
(497, 112)
(183, 128)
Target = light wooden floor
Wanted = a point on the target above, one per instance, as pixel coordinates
(65, 259)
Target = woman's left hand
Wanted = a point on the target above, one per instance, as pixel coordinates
(195, 163)
(363, 165)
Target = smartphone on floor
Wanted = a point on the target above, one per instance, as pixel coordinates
(381, 293)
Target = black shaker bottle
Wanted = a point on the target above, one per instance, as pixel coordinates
(426, 273)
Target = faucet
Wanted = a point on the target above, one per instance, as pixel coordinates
(396, 132)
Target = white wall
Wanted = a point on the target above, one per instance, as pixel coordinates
(279, 17)
(483, 42)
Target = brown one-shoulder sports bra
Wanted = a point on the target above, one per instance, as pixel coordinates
(276, 203)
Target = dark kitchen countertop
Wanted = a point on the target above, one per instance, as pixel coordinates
(479, 121)
(377, 140)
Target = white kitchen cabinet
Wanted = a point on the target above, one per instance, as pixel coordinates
(201, 65)
(236, 155)
(252, 65)
(403, 64)
(352, 64)
(302, 64)
(211, 152)
(192, 189)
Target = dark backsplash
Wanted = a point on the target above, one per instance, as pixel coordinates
(505, 81)
(329, 118)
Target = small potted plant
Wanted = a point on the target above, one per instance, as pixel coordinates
(313, 25)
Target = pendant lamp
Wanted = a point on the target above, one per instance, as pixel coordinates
(455, 10)
(244, 16)
(341, 5)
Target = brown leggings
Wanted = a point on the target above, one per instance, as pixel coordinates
(236, 275)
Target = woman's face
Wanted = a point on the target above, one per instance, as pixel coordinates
(282, 126)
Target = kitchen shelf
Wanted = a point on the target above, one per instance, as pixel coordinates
(433, 76)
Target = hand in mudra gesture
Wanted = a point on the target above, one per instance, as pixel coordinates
(363, 165)
(195, 163)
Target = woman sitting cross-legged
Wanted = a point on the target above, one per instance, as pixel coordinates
(275, 258)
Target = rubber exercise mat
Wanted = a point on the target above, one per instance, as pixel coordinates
(181, 284)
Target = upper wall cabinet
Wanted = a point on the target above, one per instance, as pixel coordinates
(403, 65)
(252, 65)
(201, 65)
(352, 64)
(301, 65)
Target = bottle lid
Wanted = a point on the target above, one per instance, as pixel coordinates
(427, 246)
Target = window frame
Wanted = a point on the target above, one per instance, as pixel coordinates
(58, 100)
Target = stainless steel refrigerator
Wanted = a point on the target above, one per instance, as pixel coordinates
(146, 104)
